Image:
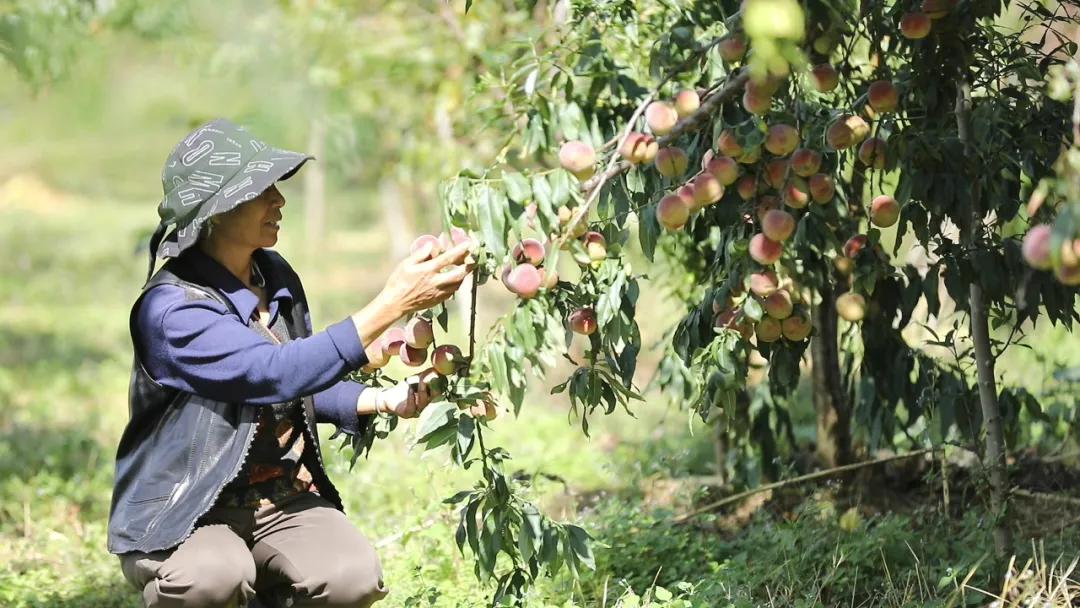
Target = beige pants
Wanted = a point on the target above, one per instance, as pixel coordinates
(303, 552)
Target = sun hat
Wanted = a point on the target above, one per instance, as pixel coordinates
(212, 170)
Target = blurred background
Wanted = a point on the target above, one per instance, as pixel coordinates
(392, 98)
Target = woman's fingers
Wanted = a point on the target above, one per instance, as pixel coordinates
(454, 255)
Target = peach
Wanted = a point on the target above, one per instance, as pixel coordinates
(524, 280)
(427, 240)
(731, 319)
(707, 189)
(915, 26)
(776, 172)
(872, 153)
(583, 321)
(796, 193)
(447, 359)
(768, 330)
(529, 251)
(805, 162)
(884, 211)
(767, 86)
(825, 77)
(672, 212)
(747, 187)
(855, 245)
(1068, 274)
(796, 327)
(661, 117)
(648, 153)
(413, 357)
(883, 96)
(844, 265)
(578, 158)
(851, 306)
(756, 102)
(847, 131)
(419, 333)
(392, 339)
(595, 246)
(733, 48)
(750, 155)
(778, 305)
(687, 102)
(671, 161)
(457, 236)
(778, 225)
(686, 193)
(764, 205)
(724, 169)
(764, 250)
(763, 284)
(822, 188)
(728, 145)
(1036, 247)
(633, 147)
(781, 140)
(376, 359)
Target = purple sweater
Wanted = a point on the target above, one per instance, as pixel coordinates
(200, 346)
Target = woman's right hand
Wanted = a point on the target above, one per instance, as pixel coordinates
(418, 283)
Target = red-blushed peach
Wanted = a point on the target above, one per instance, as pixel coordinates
(915, 25)
(776, 171)
(855, 245)
(822, 188)
(884, 211)
(724, 169)
(768, 330)
(872, 153)
(796, 327)
(447, 359)
(805, 162)
(764, 250)
(595, 246)
(392, 339)
(661, 117)
(672, 212)
(633, 147)
(524, 280)
(578, 158)
(796, 193)
(763, 284)
(733, 319)
(750, 155)
(529, 250)
(686, 193)
(756, 103)
(671, 161)
(883, 96)
(687, 102)
(732, 48)
(456, 236)
(851, 306)
(781, 139)
(427, 240)
(846, 132)
(764, 204)
(824, 77)
(583, 321)
(419, 333)
(648, 153)
(778, 305)
(747, 187)
(778, 225)
(728, 145)
(413, 357)
(1036, 247)
(551, 278)
(707, 189)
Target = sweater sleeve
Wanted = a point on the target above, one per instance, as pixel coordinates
(199, 346)
(337, 405)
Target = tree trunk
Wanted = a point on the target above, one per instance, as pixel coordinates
(994, 457)
(315, 186)
(830, 400)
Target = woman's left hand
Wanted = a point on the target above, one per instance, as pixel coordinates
(405, 399)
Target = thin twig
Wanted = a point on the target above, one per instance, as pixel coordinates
(1069, 500)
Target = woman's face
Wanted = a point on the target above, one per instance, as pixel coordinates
(253, 224)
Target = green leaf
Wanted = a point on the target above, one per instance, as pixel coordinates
(490, 206)
(434, 417)
(517, 187)
(580, 542)
(648, 231)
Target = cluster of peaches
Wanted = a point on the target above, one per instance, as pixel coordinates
(915, 25)
(1038, 253)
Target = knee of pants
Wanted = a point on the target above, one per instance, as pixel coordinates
(354, 583)
(212, 581)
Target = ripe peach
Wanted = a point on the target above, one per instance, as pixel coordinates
(686, 193)
(733, 48)
(578, 158)
(915, 26)
(846, 132)
(805, 162)
(855, 245)
(728, 145)
(796, 193)
(457, 236)
(1068, 275)
(796, 327)
(418, 333)
(446, 359)
(530, 251)
(781, 140)
(883, 96)
(731, 319)
(687, 102)
(756, 102)
(822, 188)
(633, 147)
(595, 246)
(872, 153)
(413, 357)
(661, 117)
(750, 155)
(764, 250)
(1036, 247)
(648, 153)
(583, 321)
(778, 225)
(776, 172)
(763, 284)
(724, 169)
(764, 205)
(851, 306)
(747, 187)
(825, 77)
(524, 280)
(671, 161)
(426, 240)
(392, 339)
(767, 86)
(778, 304)
(707, 189)
(768, 330)
(672, 212)
(884, 211)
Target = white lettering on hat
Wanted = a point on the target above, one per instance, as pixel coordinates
(195, 135)
(205, 181)
(232, 190)
(194, 155)
(258, 145)
(262, 166)
(190, 196)
(225, 159)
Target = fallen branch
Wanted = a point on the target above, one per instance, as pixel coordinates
(794, 481)
(1069, 500)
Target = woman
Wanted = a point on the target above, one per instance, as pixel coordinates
(220, 493)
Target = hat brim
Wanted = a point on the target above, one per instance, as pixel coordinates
(262, 171)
